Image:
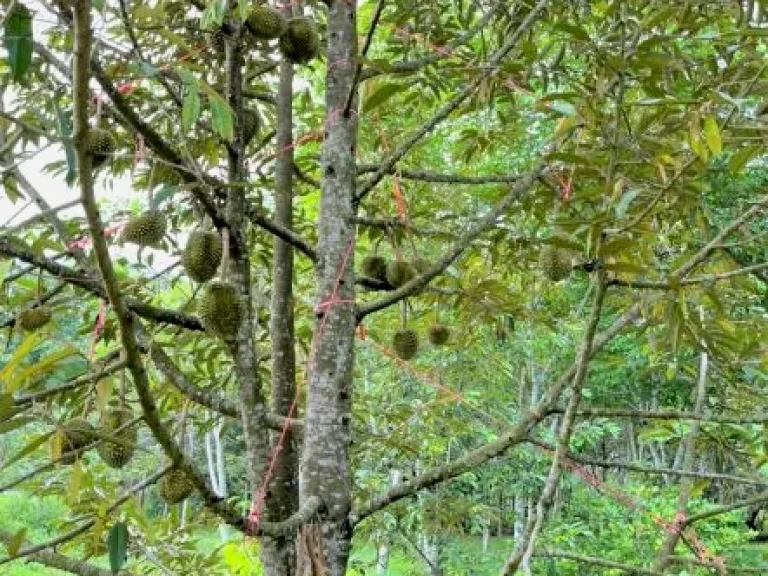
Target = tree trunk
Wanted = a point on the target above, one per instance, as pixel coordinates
(279, 554)
(325, 469)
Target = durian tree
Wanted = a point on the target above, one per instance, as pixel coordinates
(477, 159)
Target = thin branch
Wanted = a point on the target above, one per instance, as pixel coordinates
(75, 532)
(489, 69)
(665, 415)
(126, 320)
(703, 279)
(61, 562)
(515, 435)
(44, 215)
(429, 176)
(95, 287)
(607, 464)
(30, 399)
(407, 66)
(363, 54)
(526, 544)
(593, 561)
(520, 188)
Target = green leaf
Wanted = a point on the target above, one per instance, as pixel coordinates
(625, 201)
(381, 95)
(12, 191)
(712, 135)
(117, 545)
(565, 126)
(14, 545)
(64, 130)
(27, 450)
(17, 37)
(222, 117)
(190, 110)
(742, 158)
(165, 193)
(14, 423)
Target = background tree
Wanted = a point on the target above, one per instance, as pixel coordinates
(440, 266)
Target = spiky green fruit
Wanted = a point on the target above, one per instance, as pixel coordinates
(33, 319)
(202, 255)
(405, 343)
(117, 454)
(400, 272)
(147, 229)
(555, 263)
(100, 146)
(374, 267)
(439, 334)
(266, 23)
(300, 43)
(175, 486)
(77, 433)
(251, 125)
(220, 309)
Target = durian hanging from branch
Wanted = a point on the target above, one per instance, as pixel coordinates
(202, 254)
(266, 23)
(148, 228)
(300, 43)
(220, 308)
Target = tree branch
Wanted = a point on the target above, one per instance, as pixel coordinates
(428, 176)
(95, 287)
(126, 320)
(490, 68)
(526, 543)
(61, 562)
(593, 561)
(520, 188)
(515, 435)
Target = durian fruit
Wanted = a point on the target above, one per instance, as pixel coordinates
(33, 319)
(300, 43)
(202, 255)
(266, 23)
(78, 433)
(175, 486)
(100, 146)
(374, 267)
(555, 263)
(220, 309)
(439, 334)
(400, 272)
(113, 454)
(146, 229)
(251, 125)
(405, 342)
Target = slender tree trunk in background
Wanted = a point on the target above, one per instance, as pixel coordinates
(383, 548)
(252, 403)
(486, 535)
(279, 554)
(325, 468)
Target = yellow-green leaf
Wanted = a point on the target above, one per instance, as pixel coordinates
(15, 544)
(712, 135)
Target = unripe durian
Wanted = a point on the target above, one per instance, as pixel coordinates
(555, 263)
(300, 43)
(220, 309)
(267, 23)
(374, 267)
(202, 255)
(78, 433)
(113, 454)
(33, 319)
(175, 486)
(100, 146)
(439, 334)
(405, 342)
(147, 229)
(400, 272)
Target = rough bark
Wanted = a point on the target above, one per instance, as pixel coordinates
(252, 402)
(279, 555)
(325, 470)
